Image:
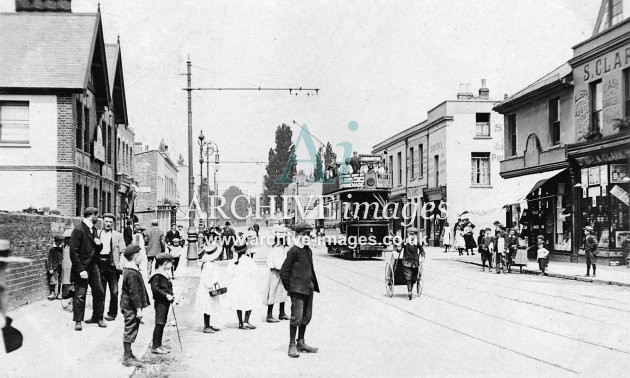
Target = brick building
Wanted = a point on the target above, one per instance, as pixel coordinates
(59, 110)
(157, 195)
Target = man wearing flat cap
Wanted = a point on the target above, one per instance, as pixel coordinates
(109, 262)
(10, 338)
(299, 280)
(155, 243)
(411, 252)
(84, 248)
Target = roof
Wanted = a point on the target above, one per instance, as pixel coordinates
(552, 77)
(116, 81)
(112, 51)
(47, 49)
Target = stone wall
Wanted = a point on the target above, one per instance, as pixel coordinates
(31, 236)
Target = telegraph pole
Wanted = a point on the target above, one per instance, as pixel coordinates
(191, 177)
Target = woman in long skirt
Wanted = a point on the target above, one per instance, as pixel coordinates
(447, 237)
(469, 238)
(242, 293)
(274, 291)
(209, 280)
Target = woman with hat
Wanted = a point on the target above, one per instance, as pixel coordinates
(209, 280)
(242, 294)
(274, 291)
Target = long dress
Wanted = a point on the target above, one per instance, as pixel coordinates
(210, 274)
(242, 292)
(274, 291)
(447, 237)
(469, 239)
(459, 240)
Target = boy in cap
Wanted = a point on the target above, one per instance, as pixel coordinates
(53, 268)
(162, 289)
(299, 280)
(133, 299)
(486, 246)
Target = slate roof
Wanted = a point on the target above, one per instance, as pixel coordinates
(111, 53)
(47, 49)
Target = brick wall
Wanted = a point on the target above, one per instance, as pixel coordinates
(31, 236)
(145, 168)
(66, 129)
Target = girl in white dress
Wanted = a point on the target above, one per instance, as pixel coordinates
(242, 293)
(447, 237)
(209, 280)
(274, 291)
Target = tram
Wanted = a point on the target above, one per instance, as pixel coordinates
(356, 227)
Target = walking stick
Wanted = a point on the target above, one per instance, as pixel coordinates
(177, 328)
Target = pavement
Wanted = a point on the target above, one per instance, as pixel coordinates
(606, 275)
(466, 322)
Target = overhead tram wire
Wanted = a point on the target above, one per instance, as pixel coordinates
(311, 134)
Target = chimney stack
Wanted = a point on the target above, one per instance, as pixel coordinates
(43, 6)
(484, 92)
(464, 92)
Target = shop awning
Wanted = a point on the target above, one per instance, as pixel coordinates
(534, 182)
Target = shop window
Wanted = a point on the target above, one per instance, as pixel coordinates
(554, 121)
(511, 135)
(480, 169)
(596, 108)
(413, 163)
(14, 122)
(482, 125)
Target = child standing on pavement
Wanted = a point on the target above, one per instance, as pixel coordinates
(274, 291)
(486, 245)
(133, 299)
(209, 305)
(53, 268)
(162, 289)
(541, 255)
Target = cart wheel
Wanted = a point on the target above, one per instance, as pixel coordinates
(389, 280)
(420, 281)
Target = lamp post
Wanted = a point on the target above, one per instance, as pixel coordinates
(211, 148)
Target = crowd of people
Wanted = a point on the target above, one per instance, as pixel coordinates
(95, 255)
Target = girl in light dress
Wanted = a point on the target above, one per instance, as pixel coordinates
(242, 294)
(274, 290)
(447, 237)
(209, 280)
(460, 243)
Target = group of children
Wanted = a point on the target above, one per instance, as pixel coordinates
(508, 249)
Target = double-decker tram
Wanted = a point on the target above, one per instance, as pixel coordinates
(356, 198)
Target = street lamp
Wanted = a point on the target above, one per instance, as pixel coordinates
(210, 148)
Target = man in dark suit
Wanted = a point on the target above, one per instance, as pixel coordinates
(128, 233)
(84, 248)
(411, 252)
(172, 234)
(298, 278)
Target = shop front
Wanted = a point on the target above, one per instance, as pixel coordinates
(604, 201)
(434, 217)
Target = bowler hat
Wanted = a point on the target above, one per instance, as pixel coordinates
(303, 226)
(131, 250)
(90, 211)
(5, 253)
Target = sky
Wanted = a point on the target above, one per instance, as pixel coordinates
(382, 64)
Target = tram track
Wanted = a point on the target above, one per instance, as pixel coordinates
(380, 299)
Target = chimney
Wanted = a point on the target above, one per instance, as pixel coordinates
(484, 92)
(43, 6)
(137, 147)
(505, 96)
(464, 92)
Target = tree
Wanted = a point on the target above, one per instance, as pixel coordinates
(241, 204)
(329, 156)
(318, 173)
(280, 158)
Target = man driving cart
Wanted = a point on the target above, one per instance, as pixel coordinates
(411, 250)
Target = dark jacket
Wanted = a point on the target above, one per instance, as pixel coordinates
(297, 272)
(487, 242)
(82, 248)
(160, 286)
(590, 244)
(411, 255)
(512, 243)
(54, 257)
(134, 294)
(170, 235)
(128, 235)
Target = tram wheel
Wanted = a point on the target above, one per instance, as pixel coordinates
(389, 280)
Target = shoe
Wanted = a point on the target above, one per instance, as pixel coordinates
(78, 326)
(587, 275)
(51, 296)
(159, 350)
(305, 348)
(594, 275)
(293, 352)
(271, 319)
(210, 330)
(91, 321)
(249, 326)
(284, 317)
(410, 296)
(215, 329)
(131, 361)
(101, 324)
(110, 318)
(241, 326)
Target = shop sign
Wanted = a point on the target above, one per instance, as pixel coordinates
(621, 194)
(604, 157)
(414, 192)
